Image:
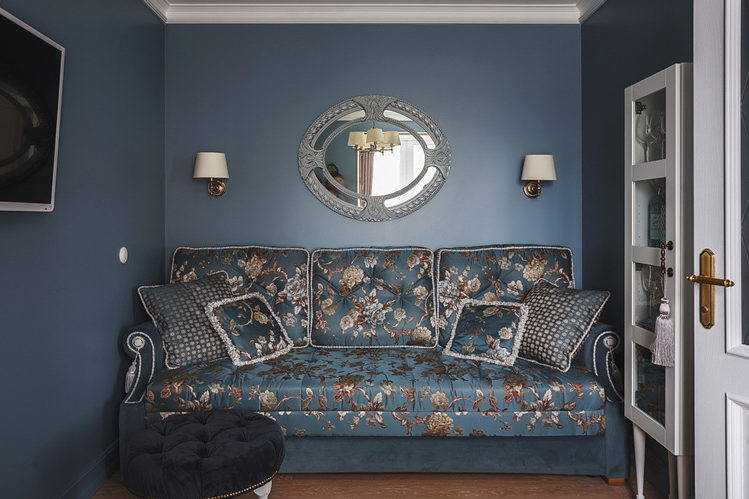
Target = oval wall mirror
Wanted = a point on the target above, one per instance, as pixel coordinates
(374, 158)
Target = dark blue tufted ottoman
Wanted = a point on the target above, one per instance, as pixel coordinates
(201, 455)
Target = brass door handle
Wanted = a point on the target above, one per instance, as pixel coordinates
(712, 281)
(707, 290)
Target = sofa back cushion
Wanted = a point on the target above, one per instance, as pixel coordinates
(373, 297)
(492, 273)
(279, 274)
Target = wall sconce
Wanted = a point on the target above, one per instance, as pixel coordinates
(212, 165)
(537, 167)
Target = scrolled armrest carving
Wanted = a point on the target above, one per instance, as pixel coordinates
(604, 367)
(140, 346)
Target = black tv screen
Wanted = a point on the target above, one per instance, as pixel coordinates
(31, 68)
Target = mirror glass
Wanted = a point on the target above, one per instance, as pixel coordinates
(376, 158)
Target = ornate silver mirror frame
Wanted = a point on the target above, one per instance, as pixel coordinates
(373, 207)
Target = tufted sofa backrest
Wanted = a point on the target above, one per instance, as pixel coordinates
(279, 274)
(373, 297)
(503, 272)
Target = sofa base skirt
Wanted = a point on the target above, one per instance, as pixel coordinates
(554, 455)
(605, 455)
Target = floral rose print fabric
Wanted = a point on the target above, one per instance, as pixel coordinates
(503, 273)
(279, 274)
(373, 298)
(389, 392)
(489, 331)
(249, 329)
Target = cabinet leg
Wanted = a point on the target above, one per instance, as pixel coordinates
(671, 476)
(684, 469)
(639, 438)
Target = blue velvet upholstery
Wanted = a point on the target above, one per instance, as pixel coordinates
(373, 297)
(279, 274)
(494, 273)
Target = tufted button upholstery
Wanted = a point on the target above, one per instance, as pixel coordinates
(203, 455)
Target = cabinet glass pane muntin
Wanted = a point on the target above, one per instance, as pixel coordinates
(648, 290)
(650, 128)
(650, 389)
(650, 212)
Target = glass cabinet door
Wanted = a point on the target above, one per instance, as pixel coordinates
(652, 251)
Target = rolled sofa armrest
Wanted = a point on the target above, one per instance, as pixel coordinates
(143, 344)
(598, 353)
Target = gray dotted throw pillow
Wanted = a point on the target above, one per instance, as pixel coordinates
(178, 311)
(559, 320)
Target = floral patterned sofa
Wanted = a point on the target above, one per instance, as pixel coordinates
(364, 371)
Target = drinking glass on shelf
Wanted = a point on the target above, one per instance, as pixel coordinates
(643, 132)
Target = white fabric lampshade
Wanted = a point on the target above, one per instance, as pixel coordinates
(538, 167)
(393, 138)
(375, 136)
(210, 165)
(357, 139)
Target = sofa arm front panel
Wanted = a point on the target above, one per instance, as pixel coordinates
(597, 354)
(143, 344)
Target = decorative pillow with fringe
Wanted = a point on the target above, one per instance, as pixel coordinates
(249, 328)
(489, 331)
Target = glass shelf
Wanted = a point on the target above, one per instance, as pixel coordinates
(650, 392)
(648, 291)
(650, 128)
(650, 212)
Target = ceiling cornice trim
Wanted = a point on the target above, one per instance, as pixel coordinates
(373, 13)
(160, 8)
(588, 7)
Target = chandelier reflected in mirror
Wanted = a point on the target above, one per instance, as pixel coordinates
(374, 140)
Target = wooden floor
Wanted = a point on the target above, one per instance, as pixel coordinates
(423, 485)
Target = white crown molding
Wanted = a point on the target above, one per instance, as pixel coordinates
(372, 13)
(588, 7)
(159, 7)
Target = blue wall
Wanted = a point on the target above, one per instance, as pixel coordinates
(622, 43)
(498, 92)
(64, 296)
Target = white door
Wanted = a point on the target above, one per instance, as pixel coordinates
(721, 351)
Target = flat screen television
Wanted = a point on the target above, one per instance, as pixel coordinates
(31, 69)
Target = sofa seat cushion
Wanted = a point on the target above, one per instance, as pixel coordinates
(395, 391)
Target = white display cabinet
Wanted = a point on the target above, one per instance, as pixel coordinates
(658, 166)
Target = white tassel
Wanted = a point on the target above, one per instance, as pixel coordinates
(663, 346)
(130, 378)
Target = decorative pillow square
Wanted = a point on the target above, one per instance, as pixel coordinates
(373, 297)
(558, 322)
(492, 273)
(279, 274)
(490, 331)
(251, 331)
(178, 311)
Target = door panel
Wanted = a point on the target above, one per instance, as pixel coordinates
(720, 211)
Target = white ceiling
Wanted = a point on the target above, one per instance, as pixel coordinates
(368, 11)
